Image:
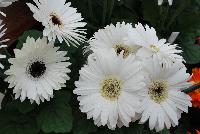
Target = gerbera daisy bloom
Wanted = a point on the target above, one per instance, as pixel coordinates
(106, 91)
(2, 33)
(195, 95)
(60, 21)
(1, 98)
(113, 37)
(161, 1)
(163, 101)
(151, 45)
(37, 69)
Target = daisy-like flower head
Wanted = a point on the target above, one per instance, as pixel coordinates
(113, 37)
(2, 33)
(161, 1)
(163, 100)
(37, 69)
(151, 46)
(108, 87)
(60, 20)
(195, 95)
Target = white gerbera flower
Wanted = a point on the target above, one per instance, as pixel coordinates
(113, 37)
(2, 33)
(37, 69)
(161, 1)
(164, 100)
(108, 87)
(152, 46)
(1, 98)
(60, 20)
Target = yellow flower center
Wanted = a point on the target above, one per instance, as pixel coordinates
(111, 88)
(158, 91)
(154, 48)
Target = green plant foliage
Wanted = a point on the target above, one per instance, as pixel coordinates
(56, 116)
(134, 128)
(15, 122)
(61, 115)
(84, 126)
(23, 107)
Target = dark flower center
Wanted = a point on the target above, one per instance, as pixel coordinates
(158, 91)
(123, 48)
(55, 20)
(120, 49)
(37, 69)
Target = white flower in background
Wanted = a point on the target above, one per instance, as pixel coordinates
(60, 21)
(151, 46)
(161, 1)
(2, 33)
(37, 69)
(1, 98)
(5, 3)
(164, 100)
(113, 37)
(108, 87)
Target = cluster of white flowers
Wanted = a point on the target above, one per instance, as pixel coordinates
(39, 67)
(133, 75)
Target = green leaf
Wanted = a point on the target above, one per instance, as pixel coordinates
(191, 53)
(151, 11)
(190, 49)
(104, 13)
(123, 13)
(31, 33)
(178, 12)
(134, 128)
(165, 131)
(56, 115)
(22, 107)
(13, 122)
(192, 17)
(181, 130)
(84, 126)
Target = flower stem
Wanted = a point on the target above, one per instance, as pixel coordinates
(192, 88)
